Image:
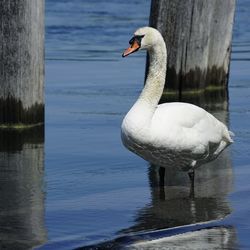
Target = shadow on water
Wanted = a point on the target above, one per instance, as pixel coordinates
(21, 188)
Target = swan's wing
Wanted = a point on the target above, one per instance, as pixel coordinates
(178, 113)
(186, 127)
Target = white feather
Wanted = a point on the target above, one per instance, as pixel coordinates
(172, 134)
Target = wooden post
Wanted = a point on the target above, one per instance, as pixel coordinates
(21, 62)
(198, 36)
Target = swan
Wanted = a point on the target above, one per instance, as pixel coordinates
(176, 134)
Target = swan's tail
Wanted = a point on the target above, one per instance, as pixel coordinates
(231, 134)
(227, 135)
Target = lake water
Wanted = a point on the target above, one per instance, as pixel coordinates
(79, 187)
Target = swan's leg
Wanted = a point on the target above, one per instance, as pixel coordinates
(191, 177)
(162, 182)
(162, 176)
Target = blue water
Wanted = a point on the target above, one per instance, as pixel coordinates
(79, 186)
(91, 30)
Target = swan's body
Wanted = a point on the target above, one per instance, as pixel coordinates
(172, 134)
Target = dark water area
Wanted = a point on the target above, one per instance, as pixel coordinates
(77, 186)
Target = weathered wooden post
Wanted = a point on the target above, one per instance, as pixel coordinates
(21, 62)
(198, 37)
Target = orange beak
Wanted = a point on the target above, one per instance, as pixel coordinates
(133, 48)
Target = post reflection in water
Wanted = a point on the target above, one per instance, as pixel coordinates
(172, 206)
(21, 188)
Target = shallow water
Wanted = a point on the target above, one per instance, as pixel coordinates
(79, 186)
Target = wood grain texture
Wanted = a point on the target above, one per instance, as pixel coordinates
(198, 36)
(21, 61)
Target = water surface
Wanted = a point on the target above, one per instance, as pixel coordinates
(98, 191)
(80, 187)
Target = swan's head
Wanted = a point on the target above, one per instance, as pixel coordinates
(144, 38)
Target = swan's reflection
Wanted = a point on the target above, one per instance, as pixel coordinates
(21, 188)
(172, 206)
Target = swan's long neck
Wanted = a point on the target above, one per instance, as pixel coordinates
(155, 81)
(140, 115)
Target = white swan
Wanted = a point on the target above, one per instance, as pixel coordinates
(174, 134)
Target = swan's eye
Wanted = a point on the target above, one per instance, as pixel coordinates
(136, 38)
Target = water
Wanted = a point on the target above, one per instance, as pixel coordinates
(79, 186)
